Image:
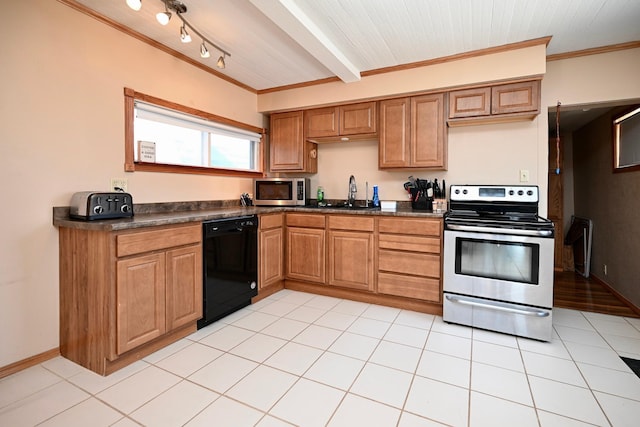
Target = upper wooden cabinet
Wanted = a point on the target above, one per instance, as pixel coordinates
(470, 102)
(495, 104)
(412, 133)
(515, 97)
(321, 122)
(353, 120)
(289, 151)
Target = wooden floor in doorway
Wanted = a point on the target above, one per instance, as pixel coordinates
(572, 290)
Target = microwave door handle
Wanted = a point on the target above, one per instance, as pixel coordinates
(498, 306)
(510, 231)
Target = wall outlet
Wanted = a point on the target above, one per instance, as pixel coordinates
(524, 175)
(119, 184)
(604, 268)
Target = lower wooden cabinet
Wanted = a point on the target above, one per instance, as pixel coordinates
(125, 294)
(409, 258)
(271, 250)
(140, 301)
(305, 247)
(350, 252)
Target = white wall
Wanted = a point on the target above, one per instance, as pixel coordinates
(62, 107)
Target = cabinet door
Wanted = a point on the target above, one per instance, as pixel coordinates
(470, 102)
(358, 118)
(183, 286)
(428, 148)
(515, 97)
(321, 122)
(351, 259)
(305, 254)
(394, 138)
(287, 142)
(271, 254)
(140, 299)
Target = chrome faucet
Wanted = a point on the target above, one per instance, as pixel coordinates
(353, 190)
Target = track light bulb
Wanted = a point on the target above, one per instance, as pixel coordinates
(204, 52)
(184, 35)
(134, 4)
(163, 17)
(221, 63)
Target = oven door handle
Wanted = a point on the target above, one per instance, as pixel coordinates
(510, 231)
(498, 306)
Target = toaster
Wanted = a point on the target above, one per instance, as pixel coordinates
(92, 205)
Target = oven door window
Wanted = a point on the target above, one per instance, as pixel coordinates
(274, 190)
(500, 260)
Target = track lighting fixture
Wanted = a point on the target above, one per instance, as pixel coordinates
(134, 4)
(204, 52)
(180, 9)
(164, 17)
(184, 35)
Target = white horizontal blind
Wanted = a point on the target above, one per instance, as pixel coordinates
(165, 115)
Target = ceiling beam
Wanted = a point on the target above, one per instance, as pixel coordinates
(292, 20)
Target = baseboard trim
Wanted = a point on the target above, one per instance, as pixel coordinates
(618, 295)
(18, 366)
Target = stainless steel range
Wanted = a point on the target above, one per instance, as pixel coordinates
(498, 260)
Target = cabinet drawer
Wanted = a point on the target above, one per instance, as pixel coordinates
(424, 227)
(424, 288)
(351, 222)
(305, 220)
(152, 240)
(271, 221)
(409, 243)
(416, 264)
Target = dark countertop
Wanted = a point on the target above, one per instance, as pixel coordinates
(151, 215)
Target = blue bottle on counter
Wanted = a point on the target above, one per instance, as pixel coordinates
(376, 199)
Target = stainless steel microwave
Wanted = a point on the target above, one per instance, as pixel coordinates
(281, 191)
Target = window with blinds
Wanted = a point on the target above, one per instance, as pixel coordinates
(177, 138)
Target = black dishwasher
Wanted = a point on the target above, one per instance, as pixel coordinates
(230, 266)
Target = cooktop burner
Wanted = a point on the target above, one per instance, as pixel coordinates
(496, 206)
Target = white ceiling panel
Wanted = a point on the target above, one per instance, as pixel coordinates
(282, 42)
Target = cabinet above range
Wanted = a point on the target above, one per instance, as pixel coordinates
(494, 104)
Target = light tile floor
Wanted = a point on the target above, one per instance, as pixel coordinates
(309, 360)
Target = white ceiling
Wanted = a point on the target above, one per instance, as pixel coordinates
(275, 43)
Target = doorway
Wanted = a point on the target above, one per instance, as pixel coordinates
(567, 193)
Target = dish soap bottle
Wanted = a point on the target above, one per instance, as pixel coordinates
(320, 196)
(376, 199)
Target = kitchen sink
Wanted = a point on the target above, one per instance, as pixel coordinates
(345, 207)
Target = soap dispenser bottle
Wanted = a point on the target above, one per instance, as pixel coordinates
(376, 198)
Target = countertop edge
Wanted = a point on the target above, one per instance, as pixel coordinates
(141, 220)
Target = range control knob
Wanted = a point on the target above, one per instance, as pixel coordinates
(465, 191)
(98, 209)
(511, 192)
(529, 192)
(457, 191)
(520, 192)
